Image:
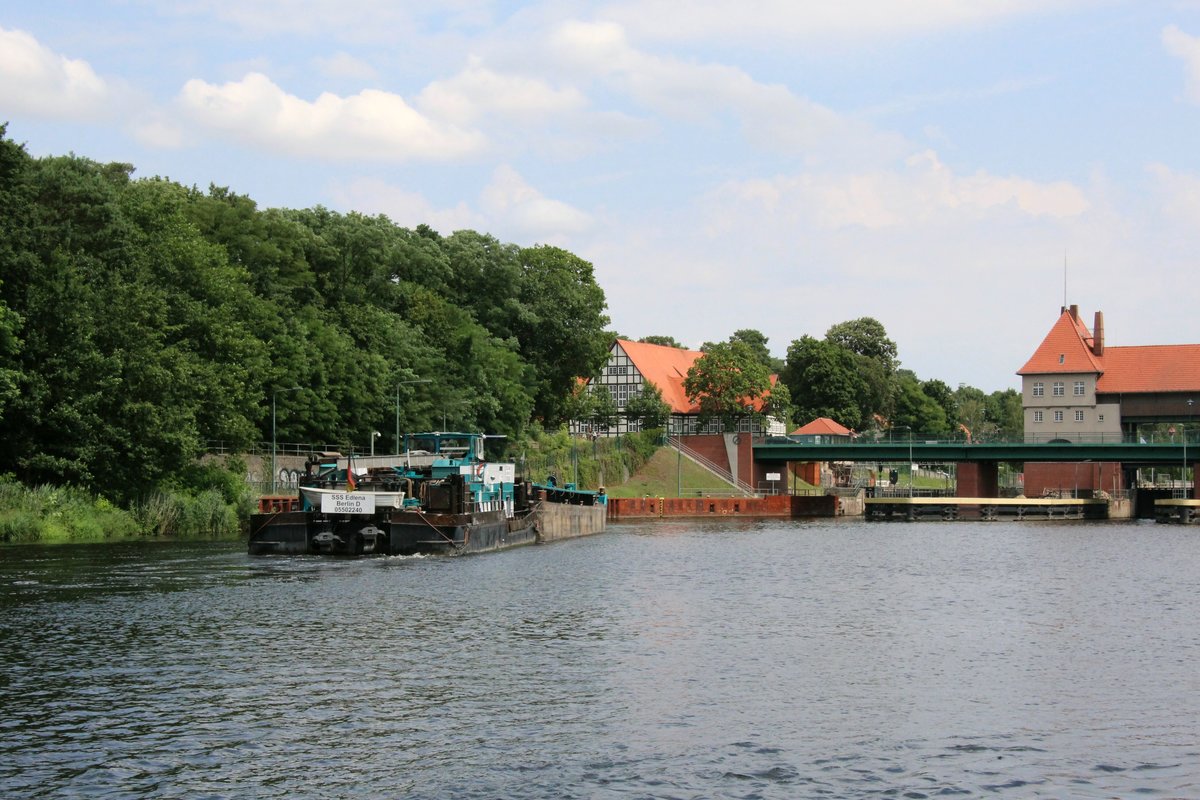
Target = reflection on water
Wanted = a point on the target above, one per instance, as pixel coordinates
(729, 659)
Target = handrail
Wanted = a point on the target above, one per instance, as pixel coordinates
(711, 466)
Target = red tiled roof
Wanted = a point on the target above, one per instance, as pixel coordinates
(822, 426)
(1130, 370)
(1151, 368)
(665, 367)
(1066, 348)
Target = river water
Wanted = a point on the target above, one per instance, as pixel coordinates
(735, 659)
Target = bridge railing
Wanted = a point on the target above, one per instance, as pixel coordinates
(1191, 436)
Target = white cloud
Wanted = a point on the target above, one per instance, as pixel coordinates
(508, 207)
(924, 192)
(372, 124)
(514, 205)
(35, 80)
(477, 91)
(771, 115)
(405, 208)
(814, 22)
(1187, 49)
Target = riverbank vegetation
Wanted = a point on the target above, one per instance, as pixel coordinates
(213, 507)
(145, 324)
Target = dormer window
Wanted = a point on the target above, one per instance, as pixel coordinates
(1062, 358)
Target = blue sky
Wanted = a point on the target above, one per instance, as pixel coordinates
(780, 165)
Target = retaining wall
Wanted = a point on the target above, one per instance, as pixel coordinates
(775, 506)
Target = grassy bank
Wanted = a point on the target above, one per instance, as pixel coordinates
(214, 507)
(588, 463)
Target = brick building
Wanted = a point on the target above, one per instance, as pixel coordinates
(631, 365)
(1076, 388)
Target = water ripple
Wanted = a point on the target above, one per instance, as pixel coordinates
(736, 659)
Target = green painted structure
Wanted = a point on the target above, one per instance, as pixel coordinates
(1130, 454)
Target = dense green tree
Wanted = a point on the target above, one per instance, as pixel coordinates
(941, 394)
(779, 405)
(757, 343)
(727, 383)
(14, 259)
(972, 412)
(647, 409)
(665, 341)
(141, 321)
(561, 332)
(1006, 410)
(867, 337)
(916, 410)
(824, 380)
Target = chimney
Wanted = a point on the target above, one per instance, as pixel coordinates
(1075, 312)
(1098, 334)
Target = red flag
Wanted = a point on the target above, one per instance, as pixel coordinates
(351, 483)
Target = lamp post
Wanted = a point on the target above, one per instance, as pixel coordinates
(398, 385)
(910, 459)
(1183, 428)
(374, 435)
(274, 468)
(456, 404)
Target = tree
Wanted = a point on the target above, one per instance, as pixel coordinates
(665, 341)
(646, 409)
(1006, 410)
(779, 404)
(561, 330)
(916, 410)
(972, 412)
(757, 343)
(824, 380)
(941, 394)
(727, 382)
(867, 337)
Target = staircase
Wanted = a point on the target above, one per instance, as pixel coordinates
(712, 467)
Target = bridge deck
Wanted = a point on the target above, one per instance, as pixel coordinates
(931, 452)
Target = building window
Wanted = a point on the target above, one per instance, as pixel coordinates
(1058, 416)
(1079, 388)
(1079, 416)
(1059, 389)
(1039, 388)
(1101, 418)
(1037, 416)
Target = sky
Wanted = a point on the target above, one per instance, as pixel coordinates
(956, 169)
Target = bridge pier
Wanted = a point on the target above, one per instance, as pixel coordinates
(978, 479)
(1075, 476)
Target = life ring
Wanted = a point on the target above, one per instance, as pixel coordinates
(479, 471)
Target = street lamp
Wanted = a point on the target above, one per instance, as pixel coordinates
(452, 404)
(274, 468)
(398, 385)
(910, 459)
(1183, 472)
(374, 435)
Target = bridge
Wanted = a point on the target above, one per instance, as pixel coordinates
(1130, 454)
(1110, 462)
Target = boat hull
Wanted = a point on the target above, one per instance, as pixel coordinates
(395, 533)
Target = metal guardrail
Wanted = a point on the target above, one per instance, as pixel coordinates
(711, 466)
(1192, 437)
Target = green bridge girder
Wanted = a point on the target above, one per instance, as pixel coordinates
(924, 452)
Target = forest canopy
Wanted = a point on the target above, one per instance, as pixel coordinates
(141, 321)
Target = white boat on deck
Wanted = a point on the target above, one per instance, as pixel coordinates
(326, 499)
